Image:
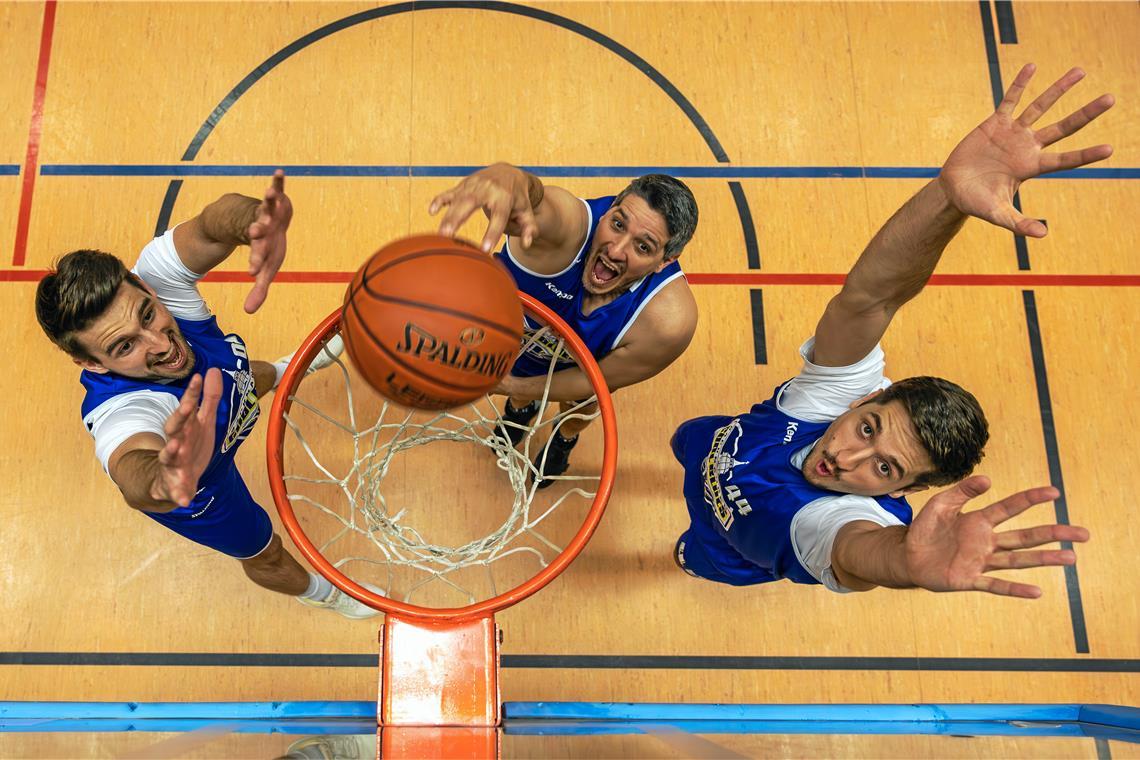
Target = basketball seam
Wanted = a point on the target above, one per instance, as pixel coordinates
(395, 358)
(420, 304)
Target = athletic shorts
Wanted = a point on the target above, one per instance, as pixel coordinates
(223, 516)
(701, 551)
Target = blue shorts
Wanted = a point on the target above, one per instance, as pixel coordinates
(223, 516)
(702, 551)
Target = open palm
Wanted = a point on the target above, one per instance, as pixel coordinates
(189, 439)
(984, 171)
(948, 550)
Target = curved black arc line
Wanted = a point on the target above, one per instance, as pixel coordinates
(610, 44)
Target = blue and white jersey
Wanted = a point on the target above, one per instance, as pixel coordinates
(603, 329)
(743, 479)
(115, 408)
(238, 409)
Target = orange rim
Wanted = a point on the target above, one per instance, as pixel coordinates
(275, 459)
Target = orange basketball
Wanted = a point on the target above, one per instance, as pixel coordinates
(432, 322)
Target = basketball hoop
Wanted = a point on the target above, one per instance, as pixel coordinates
(338, 499)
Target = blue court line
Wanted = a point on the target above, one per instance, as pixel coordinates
(579, 718)
(623, 172)
(185, 710)
(9, 170)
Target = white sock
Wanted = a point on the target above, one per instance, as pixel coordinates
(279, 367)
(319, 588)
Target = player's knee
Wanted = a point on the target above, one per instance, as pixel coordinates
(272, 554)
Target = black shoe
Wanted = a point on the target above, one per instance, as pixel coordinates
(520, 417)
(557, 455)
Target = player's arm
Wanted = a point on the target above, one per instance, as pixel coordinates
(945, 549)
(660, 334)
(157, 474)
(540, 218)
(979, 178)
(209, 238)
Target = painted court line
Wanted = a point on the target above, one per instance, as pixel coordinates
(35, 132)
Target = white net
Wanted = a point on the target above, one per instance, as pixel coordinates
(445, 525)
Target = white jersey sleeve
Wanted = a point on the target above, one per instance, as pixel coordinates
(815, 527)
(820, 394)
(117, 419)
(176, 286)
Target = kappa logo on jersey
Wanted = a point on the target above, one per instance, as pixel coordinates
(717, 464)
(560, 293)
(792, 427)
(244, 409)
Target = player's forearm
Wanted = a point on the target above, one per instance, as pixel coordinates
(899, 260)
(214, 234)
(138, 476)
(565, 385)
(863, 559)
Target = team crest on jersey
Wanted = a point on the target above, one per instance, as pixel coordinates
(542, 343)
(722, 462)
(244, 409)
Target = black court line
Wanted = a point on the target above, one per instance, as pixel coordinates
(1044, 400)
(998, 91)
(759, 342)
(167, 209)
(751, 248)
(642, 65)
(1053, 457)
(1007, 28)
(587, 662)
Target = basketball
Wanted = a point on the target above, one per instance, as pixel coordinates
(432, 322)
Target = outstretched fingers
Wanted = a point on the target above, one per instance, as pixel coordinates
(1075, 121)
(1013, 94)
(1002, 587)
(1021, 560)
(1046, 99)
(458, 211)
(1042, 534)
(1013, 505)
(211, 395)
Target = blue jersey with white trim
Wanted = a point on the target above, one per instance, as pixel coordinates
(740, 480)
(238, 408)
(602, 329)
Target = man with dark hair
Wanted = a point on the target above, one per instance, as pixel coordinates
(608, 266)
(150, 350)
(810, 485)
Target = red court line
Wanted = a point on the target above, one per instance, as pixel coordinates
(753, 279)
(35, 131)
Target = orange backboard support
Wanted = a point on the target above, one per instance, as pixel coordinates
(439, 673)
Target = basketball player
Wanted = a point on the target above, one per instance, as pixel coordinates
(151, 351)
(608, 266)
(810, 485)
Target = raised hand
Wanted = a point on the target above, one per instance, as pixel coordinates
(267, 240)
(189, 440)
(984, 171)
(503, 192)
(948, 550)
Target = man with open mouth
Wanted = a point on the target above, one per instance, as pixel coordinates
(608, 266)
(810, 485)
(169, 396)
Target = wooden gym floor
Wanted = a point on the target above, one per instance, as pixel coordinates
(800, 128)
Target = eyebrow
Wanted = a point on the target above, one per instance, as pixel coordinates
(878, 429)
(645, 236)
(143, 306)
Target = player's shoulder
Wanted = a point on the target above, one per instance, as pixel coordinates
(122, 397)
(669, 317)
